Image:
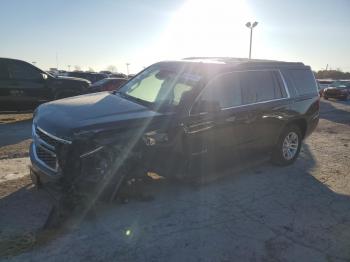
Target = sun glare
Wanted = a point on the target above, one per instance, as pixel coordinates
(207, 28)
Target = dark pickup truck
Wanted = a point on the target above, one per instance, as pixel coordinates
(184, 118)
(24, 86)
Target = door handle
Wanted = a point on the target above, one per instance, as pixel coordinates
(199, 127)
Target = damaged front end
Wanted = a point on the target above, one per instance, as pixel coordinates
(90, 165)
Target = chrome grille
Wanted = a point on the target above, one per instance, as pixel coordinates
(47, 139)
(46, 157)
(46, 146)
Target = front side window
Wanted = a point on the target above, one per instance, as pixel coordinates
(160, 86)
(23, 71)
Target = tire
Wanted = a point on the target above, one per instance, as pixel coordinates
(288, 146)
(325, 97)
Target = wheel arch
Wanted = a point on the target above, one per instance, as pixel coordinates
(301, 123)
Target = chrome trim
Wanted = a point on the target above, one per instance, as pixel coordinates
(42, 142)
(256, 103)
(55, 137)
(284, 83)
(91, 152)
(42, 162)
(262, 102)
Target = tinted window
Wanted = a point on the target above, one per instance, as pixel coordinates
(303, 81)
(20, 70)
(3, 71)
(225, 90)
(259, 86)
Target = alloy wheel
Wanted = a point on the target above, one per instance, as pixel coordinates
(290, 145)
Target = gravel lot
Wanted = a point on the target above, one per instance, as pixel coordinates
(264, 213)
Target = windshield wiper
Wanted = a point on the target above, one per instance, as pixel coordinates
(135, 99)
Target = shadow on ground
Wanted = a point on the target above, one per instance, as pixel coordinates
(15, 132)
(264, 213)
(329, 111)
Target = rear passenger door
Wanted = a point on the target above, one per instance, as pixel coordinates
(265, 101)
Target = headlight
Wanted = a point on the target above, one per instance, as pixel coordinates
(90, 152)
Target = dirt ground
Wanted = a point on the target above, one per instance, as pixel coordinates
(263, 213)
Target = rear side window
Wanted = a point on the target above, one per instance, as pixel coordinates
(260, 86)
(23, 71)
(302, 80)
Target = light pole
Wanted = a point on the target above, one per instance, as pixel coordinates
(127, 68)
(251, 26)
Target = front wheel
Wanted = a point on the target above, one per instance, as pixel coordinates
(288, 146)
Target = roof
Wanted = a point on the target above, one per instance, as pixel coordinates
(242, 61)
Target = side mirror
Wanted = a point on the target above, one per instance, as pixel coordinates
(44, 76)
(206, 107)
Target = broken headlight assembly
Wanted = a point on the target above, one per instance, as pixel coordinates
(155, 138)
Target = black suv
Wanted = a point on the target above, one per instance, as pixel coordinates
(176, 117)
(92, 77)
(24, 86)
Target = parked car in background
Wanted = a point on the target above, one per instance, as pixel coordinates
(24, 86)
(322, 84)
(106, 72)
(92, 77)
(338, 89)
(118, 75)
(107, 84)
(176, 117)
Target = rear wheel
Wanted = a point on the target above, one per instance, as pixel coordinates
(288, 146)
(325, 97)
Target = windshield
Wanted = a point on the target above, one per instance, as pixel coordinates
(341, 84)
(160, 86)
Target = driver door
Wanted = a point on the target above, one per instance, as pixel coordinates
(26, 86)
(211, 129)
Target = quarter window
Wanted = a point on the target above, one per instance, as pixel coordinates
(302, 80)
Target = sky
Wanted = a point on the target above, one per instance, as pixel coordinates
(99, 33)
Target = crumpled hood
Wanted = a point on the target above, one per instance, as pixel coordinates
(91, 112)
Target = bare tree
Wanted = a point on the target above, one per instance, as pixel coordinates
(112, 68)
